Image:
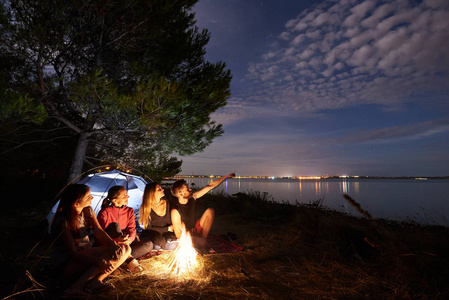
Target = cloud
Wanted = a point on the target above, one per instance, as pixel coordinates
(340, 54)
(239, 109)
(396, 134)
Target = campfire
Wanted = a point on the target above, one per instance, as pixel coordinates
(183, 258)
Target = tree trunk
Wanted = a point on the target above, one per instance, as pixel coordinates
(78, 159)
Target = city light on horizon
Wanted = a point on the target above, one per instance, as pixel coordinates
(305, 177)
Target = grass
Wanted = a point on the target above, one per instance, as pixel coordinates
(291, 252)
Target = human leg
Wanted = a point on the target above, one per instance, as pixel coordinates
(94, 276)
(81, 273)
(140, 248)
(201, 231)
(154, 236)
(113, 230)
(95, 284)
(115, 263)
(206, 221)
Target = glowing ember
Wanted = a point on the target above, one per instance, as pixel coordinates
(183, 258)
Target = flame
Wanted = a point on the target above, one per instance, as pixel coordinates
(183, 258)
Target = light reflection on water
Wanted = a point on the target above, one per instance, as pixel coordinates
(423, 201)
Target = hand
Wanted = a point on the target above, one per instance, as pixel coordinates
(124, 239)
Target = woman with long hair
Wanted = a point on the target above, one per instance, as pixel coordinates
(155, 215)
(84, 267)
(119, 222)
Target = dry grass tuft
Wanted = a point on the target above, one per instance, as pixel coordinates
(215, 274)
(158, 279)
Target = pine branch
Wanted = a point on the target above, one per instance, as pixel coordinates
(34, 142)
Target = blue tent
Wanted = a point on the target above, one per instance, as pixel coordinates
(100, 183)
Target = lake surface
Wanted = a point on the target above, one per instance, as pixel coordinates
(422, 201)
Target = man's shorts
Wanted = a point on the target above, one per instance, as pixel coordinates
(197, 229)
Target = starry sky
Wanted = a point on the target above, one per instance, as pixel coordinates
(334, 87)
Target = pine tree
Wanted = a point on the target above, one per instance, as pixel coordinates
(126, 79)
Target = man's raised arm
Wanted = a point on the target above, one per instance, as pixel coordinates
(212, 185)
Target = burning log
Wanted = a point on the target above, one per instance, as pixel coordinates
(183, 258)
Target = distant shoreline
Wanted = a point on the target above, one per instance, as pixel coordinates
(313, 177)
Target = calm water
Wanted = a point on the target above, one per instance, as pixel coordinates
(423, 201)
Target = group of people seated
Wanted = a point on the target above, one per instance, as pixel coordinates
(86, 262)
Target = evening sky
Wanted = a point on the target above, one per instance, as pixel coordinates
(347, 87)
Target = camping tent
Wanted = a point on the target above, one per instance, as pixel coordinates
(100, 183)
